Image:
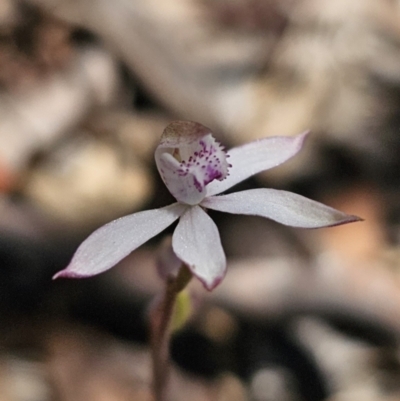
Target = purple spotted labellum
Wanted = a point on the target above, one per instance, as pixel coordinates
(195, 169)
(188, 159)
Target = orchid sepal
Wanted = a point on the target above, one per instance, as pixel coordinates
(255, 157)
(281, 206)
(109, 244)
(197, 243)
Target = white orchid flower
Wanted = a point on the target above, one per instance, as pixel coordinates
(195, 169)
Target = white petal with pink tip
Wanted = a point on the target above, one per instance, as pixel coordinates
(282, 206)
(254, 157)
(197, 243)
(112, 242)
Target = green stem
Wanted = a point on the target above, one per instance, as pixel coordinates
(161, 318)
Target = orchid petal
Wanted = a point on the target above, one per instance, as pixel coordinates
(112, 242)
(282, 206)
(197, 243)
(188, 158)
(254, 157)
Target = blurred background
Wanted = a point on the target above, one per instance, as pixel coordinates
(86, 88)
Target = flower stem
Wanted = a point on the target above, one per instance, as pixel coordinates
(160, 322)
